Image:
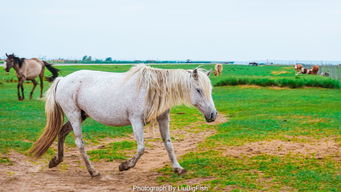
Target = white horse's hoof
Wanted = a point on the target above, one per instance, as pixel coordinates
(179, 171)
(124, 166)
(94, 173)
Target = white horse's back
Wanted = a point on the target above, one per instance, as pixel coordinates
(104, 96)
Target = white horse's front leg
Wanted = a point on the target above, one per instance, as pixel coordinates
(137, 124)
(163, 121)
(75, 120)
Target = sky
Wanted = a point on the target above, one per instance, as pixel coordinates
(172, 29)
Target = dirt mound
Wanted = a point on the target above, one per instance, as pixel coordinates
(71, 175)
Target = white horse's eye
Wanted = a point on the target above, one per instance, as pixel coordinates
(199, 91)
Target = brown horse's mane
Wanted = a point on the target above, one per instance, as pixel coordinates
(17, 60)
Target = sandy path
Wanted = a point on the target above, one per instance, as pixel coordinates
(33, 175)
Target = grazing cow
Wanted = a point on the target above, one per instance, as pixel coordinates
(315, 69)
(298, 67)
(326, 74)
(312, 71)
(218, 69)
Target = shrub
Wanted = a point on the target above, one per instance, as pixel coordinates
(292, 82)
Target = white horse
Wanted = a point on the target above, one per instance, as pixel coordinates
(117, 99)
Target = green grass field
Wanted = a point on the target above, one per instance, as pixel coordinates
(299, 117)
(282, 76)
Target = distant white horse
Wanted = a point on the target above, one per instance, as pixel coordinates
(117, 99)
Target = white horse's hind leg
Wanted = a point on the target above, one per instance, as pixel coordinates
(75, 120)
(138, 132)
(164, 130)
(66, 129)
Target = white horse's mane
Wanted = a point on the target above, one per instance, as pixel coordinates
(166, 88)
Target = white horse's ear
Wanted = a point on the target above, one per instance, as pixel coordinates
(195, 74)
(209, 72)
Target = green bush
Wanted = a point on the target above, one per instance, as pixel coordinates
(292, 82)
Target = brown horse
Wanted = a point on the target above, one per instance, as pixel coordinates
(29, 69)
(218, 69)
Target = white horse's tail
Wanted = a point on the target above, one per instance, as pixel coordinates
(54, 122)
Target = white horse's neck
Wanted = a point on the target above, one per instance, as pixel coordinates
(164, 89)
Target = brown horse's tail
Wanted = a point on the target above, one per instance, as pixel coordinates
(54, 122)
(53, 70)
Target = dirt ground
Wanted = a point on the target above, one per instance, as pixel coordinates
(26, 174)
(316, 148)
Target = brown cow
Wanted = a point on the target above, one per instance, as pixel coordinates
(298, 67)
(315, 69)
(303, 70)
